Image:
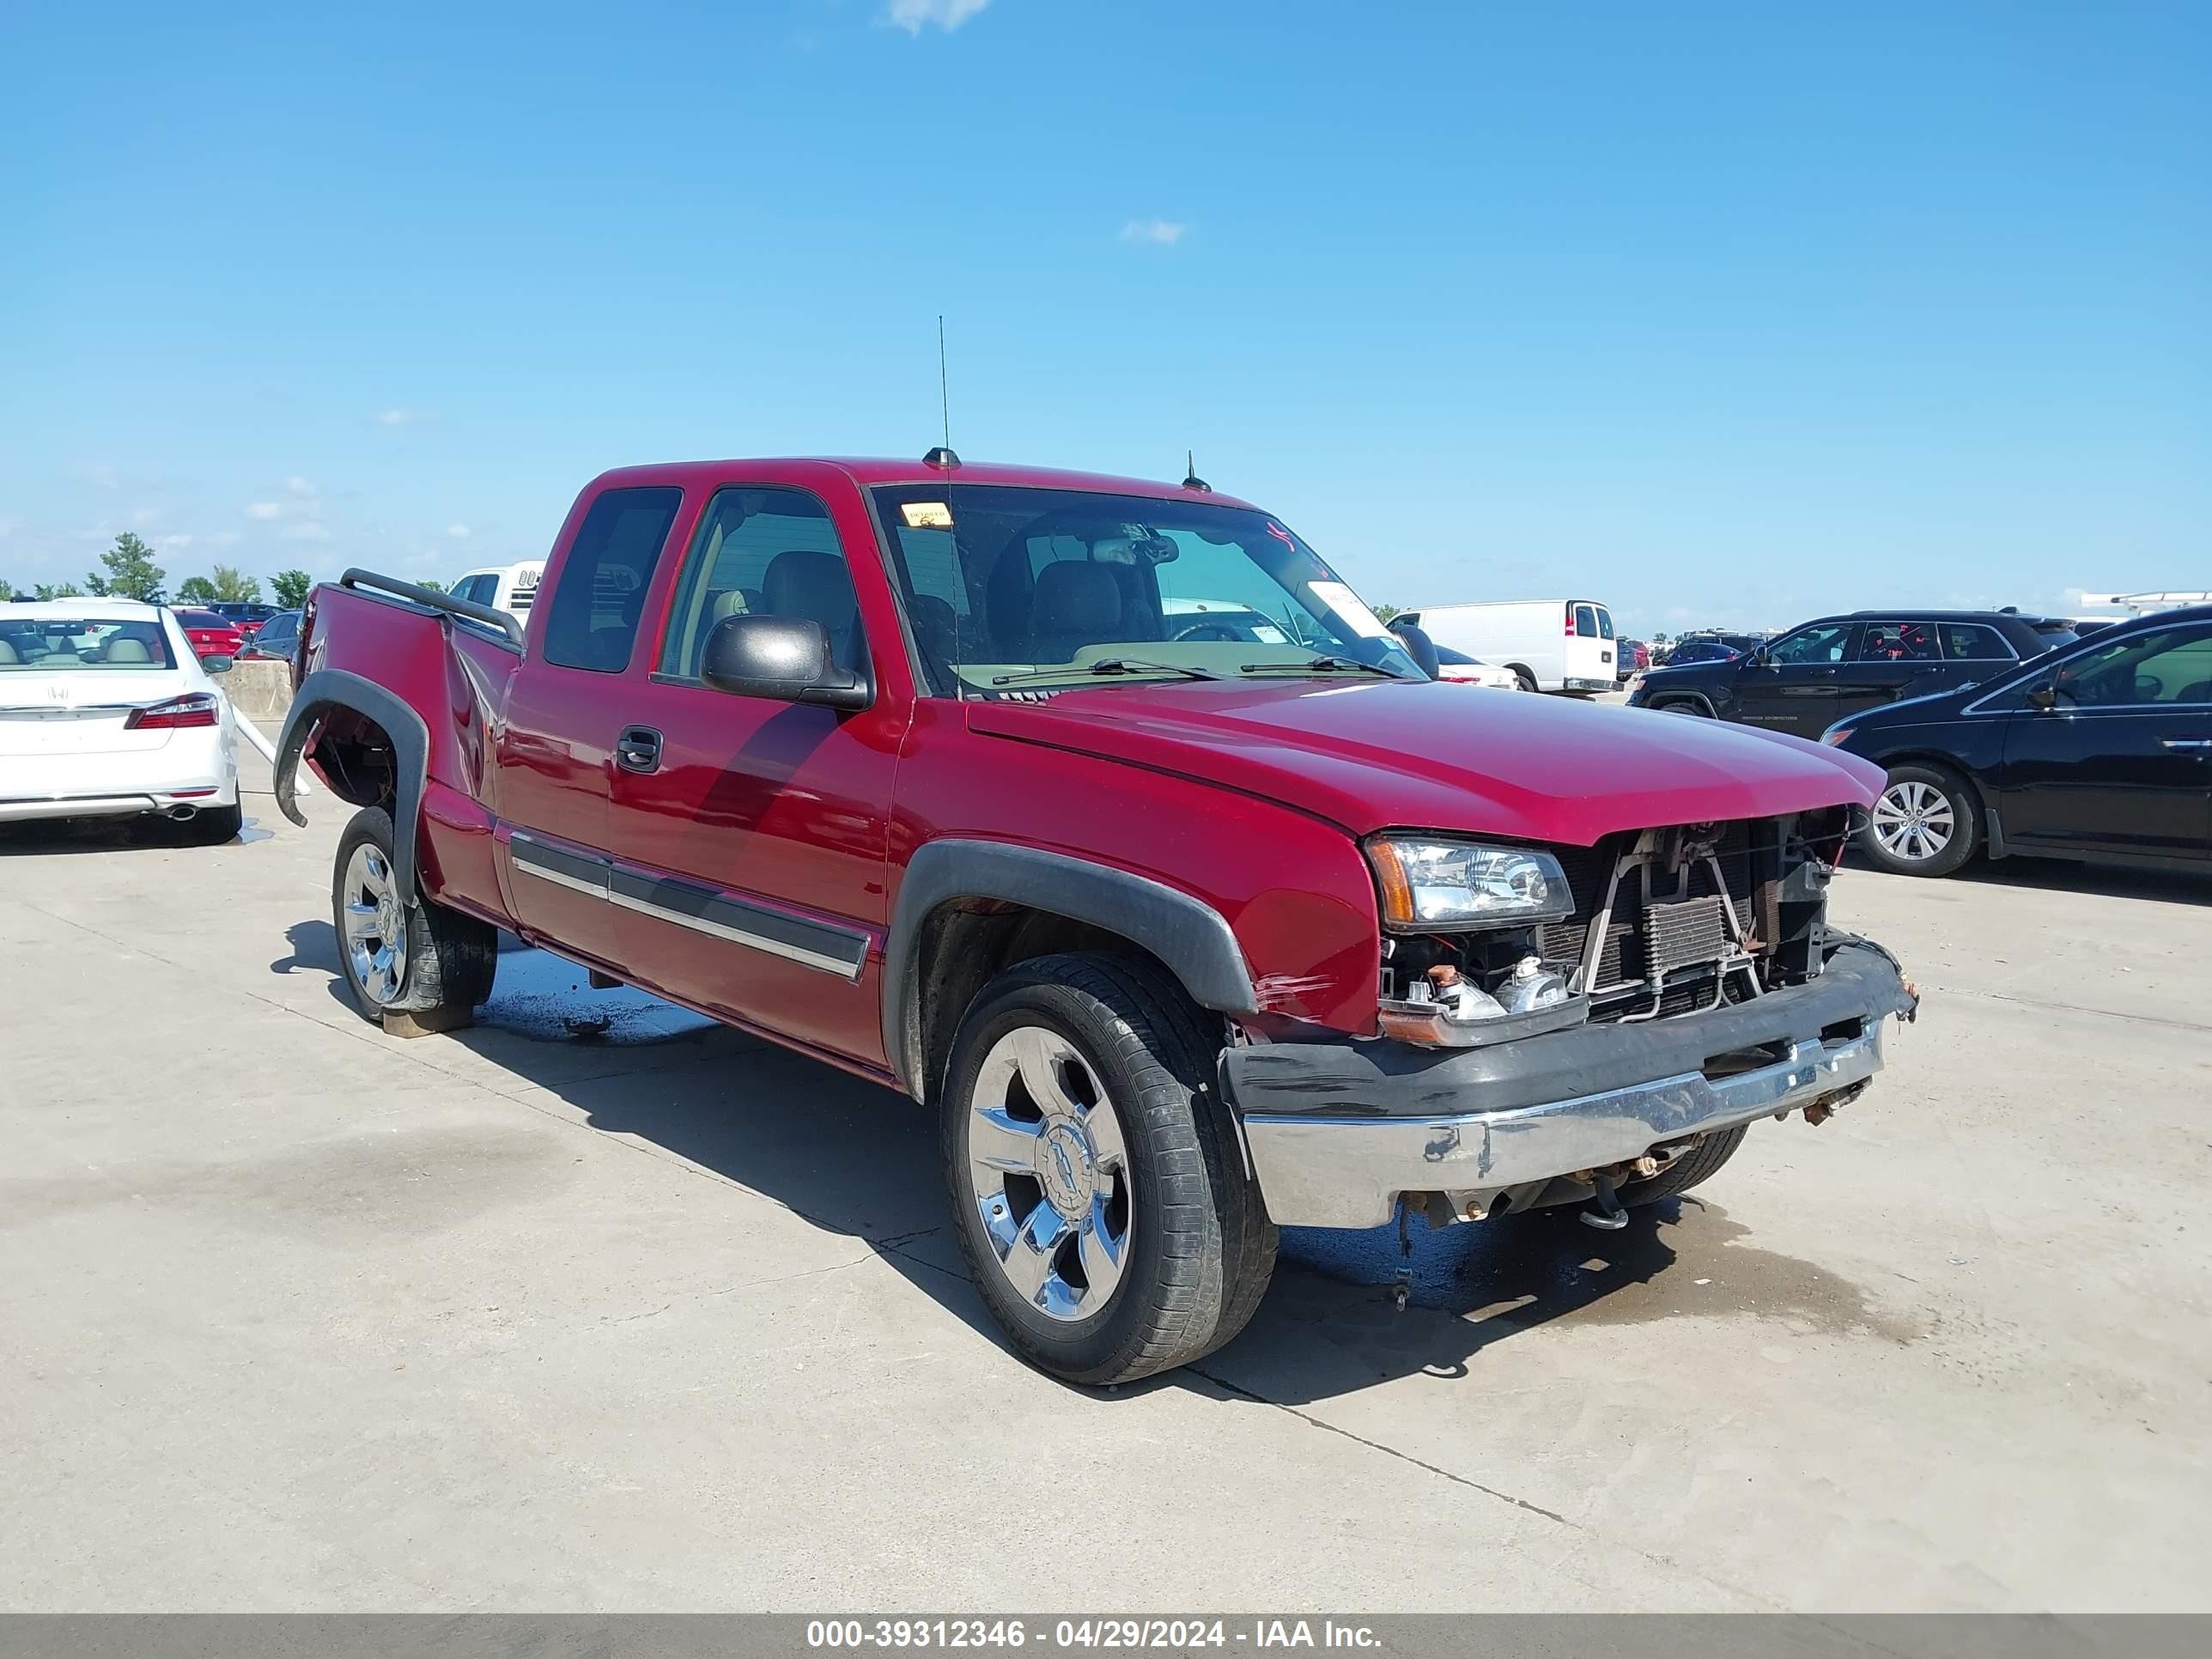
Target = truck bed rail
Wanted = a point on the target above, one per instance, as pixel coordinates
(509, 625)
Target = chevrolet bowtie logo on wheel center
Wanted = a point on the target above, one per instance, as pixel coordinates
(1064, 1165)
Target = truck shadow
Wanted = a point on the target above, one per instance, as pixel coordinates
(858, 1161)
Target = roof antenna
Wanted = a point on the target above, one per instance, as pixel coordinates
(942, 458)
(1191, 480)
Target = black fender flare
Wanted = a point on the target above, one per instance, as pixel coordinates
(327, 688)
(1688, 694)
(1191, 938)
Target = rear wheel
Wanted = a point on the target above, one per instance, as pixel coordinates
(420, 960)
(1685, 706)
(1927, 822)
(1528, 680)
(1098, 1191)
(213, 826)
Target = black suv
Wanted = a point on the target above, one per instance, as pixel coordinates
(1837, 666)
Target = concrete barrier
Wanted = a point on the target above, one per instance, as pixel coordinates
(259, 689)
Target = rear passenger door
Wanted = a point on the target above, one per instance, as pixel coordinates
(1888, 661)
(554, 750)
(750, 835)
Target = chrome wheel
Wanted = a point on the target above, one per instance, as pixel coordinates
(1051, 1173)
(1913, 821)
(375, 925)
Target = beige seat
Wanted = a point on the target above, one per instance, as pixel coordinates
(123, 649)
(8, 653)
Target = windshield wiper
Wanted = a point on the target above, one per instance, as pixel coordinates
(1106, 665)
(1319, 665)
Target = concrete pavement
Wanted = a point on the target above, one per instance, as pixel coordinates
(295, 1315)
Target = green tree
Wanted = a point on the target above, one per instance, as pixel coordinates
(1384, 612)
(230, 585)
(7, 592)
(57, 590)
(196, 590)
(434, 587)
(131, 572)
(291, 589)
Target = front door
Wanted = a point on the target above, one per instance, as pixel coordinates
(1792, 685)
(751, 834)
(555, 748)
(2122, 760)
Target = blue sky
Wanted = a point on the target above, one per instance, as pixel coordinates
(1721, 313)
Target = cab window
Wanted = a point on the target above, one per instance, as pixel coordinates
(1974, 642)
(593, 621)
(2169, 666)
(1896, 642)
(1823, 642)
(762, 551)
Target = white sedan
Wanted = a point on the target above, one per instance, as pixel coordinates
(1460, 669)
(104, 712)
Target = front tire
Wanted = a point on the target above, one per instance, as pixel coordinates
(420, 960)
(1527, 679)
(1694, 1168)
(1928, 821)
(1098, 1190)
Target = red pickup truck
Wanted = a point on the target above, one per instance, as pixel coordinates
(1101, 817)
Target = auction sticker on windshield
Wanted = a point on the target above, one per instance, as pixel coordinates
(1349, 605)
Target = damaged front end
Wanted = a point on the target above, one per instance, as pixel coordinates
(1616, 1008)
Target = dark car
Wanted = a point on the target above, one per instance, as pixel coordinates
(2102, 751)
(275, 638)
(1832, 668)
(1634, 656)
(1693, 649)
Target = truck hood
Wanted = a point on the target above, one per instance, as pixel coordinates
(1372, 755)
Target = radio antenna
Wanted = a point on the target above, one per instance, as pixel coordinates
(943, 386)
(1191, 480)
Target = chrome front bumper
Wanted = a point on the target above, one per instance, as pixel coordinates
(1321, 1171)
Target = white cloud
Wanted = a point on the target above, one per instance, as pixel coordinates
(305, 530)
(264, 509)
(404, 418)
(299, 486)
(460, 532)
(1163, 233)
(174, 543)
(223, 538)
(145, 516)
(947, 14)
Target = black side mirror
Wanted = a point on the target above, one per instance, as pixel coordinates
(1421, 648)
(2043, 696)
(786, 658)
(216, 665)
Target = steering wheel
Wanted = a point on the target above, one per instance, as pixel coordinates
(1208, 631)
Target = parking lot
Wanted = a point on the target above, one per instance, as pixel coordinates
(597, 1306)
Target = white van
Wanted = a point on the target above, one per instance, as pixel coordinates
(504, 587)
(1552, 645)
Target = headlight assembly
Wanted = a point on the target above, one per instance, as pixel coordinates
(1429, 882)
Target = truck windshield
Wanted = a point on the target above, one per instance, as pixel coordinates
(1003, 580)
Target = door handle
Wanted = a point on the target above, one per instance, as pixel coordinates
(2187, 743)
(638, 749)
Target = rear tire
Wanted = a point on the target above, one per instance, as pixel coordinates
(1699, 1164)
(1685, 706)
(1928, 821)
(420, 959)
(1528, 680)
(213, 826)
(1139, 1192)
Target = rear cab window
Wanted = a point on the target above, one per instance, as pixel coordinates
(592, 622)
(1896, 641)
